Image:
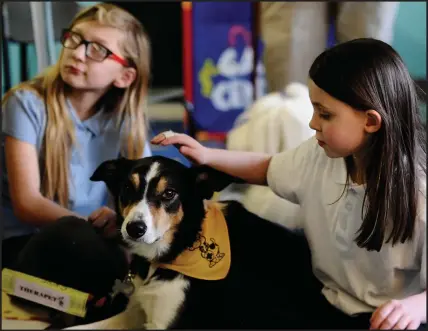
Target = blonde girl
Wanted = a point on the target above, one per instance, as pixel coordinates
(59, 126)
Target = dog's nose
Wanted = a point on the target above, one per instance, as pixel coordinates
(136, 229)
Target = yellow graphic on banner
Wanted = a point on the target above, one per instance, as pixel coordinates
(206, 77)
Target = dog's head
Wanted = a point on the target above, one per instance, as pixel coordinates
(159, 201)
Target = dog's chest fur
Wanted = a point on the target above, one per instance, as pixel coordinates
(250, 296)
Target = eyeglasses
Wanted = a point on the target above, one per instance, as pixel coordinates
(93, 50)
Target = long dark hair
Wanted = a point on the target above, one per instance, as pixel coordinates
(368, 74)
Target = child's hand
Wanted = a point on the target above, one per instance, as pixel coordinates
(187, 146)
(104, 219)
(396, 315)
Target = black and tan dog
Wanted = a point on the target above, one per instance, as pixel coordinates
(198, 264)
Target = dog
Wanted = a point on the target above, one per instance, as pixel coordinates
(198, 264)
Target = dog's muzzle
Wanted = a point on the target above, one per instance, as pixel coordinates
(136, 229)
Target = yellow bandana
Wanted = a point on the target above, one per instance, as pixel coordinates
(209, 257)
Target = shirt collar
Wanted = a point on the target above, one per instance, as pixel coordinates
(94, 124)
(339, 171)
(340, 175)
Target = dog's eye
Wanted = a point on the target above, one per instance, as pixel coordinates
(128, 187)
(168, 194)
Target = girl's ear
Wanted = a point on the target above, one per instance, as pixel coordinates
(126, 78)
(373, 121)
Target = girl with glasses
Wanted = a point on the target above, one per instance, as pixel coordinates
(59, 126)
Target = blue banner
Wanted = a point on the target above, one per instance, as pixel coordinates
(223, 63)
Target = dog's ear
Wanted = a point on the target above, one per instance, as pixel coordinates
(112, 172)
(208, 180)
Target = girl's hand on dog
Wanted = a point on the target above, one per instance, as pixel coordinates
(189, 147)
(105, 220)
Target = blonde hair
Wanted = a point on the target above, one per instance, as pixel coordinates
(129, 104)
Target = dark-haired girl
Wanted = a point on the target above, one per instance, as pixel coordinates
(361, 184)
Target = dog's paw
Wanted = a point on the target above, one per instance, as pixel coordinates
(154, 326)
(92, 326)
(78, 327)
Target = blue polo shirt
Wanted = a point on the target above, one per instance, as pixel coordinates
(98, 139)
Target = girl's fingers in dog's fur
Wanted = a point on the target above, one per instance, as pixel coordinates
(95, 215)
(104, 220)
(100, 222)
(103, 216)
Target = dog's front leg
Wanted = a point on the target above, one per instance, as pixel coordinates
(131, 318)
(161, 301)
(117, 322)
